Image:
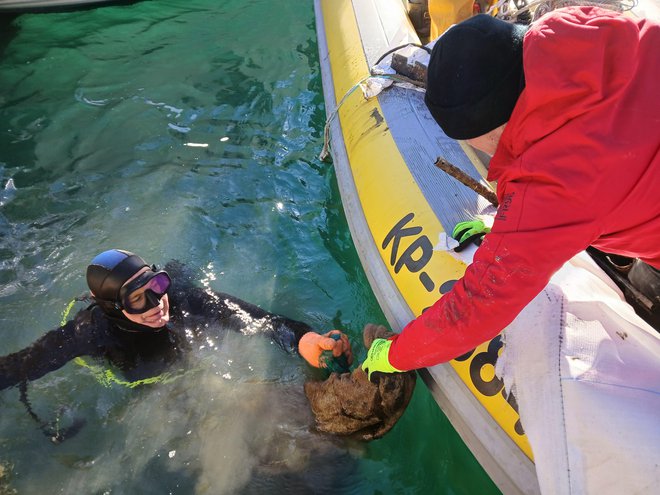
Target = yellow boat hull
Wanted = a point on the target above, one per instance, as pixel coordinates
(398, 204)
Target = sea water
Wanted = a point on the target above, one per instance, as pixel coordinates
(190, 131)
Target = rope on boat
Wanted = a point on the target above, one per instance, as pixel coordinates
(396, 77)
(392, 50)
(326, 130)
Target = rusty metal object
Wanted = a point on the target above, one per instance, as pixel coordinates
(466, 180)
(411, 69)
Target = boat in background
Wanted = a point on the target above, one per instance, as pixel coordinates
(46, 5)
(400, 206)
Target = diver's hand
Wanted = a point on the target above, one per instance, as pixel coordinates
(377, 358)
(469, 232)
(312, 345)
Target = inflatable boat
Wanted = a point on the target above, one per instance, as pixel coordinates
(384, 146)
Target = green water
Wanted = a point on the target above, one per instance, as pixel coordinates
(98, 111)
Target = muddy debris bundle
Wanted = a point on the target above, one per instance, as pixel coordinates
(348, 404)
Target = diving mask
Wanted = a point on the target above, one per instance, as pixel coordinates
(145, 291)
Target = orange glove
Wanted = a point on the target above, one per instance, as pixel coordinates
(312, 345)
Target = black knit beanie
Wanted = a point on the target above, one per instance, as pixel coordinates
(475, 76)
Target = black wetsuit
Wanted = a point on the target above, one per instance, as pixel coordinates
(146, 353)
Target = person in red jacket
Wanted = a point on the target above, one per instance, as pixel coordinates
(569, 110)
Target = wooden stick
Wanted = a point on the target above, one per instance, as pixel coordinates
(466, 180)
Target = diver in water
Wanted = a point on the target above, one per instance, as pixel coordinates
(143, 320)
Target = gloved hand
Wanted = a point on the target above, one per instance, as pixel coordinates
(377, 358)
(331, 350)
(472, 231)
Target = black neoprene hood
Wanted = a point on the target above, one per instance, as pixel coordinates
(110, 270)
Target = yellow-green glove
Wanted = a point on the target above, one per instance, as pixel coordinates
(377, 359)
(472, 231)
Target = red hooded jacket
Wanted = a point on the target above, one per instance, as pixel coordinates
(578, 164)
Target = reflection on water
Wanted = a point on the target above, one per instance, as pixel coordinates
(190, 131)
(238, 423)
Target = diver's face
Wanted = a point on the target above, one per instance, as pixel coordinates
(154, 317)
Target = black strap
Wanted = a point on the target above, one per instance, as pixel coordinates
(52, 429)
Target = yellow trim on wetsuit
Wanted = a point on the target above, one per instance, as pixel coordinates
(107, 377)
